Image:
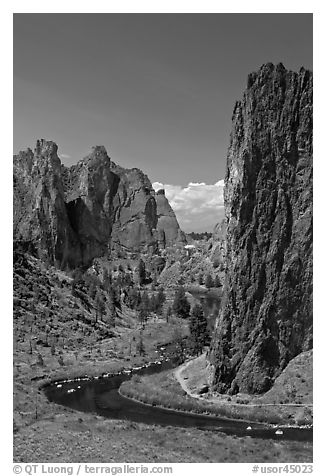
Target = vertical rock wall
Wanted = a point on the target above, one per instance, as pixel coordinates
(266, 317)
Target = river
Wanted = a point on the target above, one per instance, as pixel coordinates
(101, 396)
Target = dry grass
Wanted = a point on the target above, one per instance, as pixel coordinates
(73, 437)
(294, 384)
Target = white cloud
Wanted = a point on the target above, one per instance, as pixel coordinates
(198, 206)
(157, 186)
(65, 156)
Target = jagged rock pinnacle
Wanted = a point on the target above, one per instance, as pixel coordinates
(266, 319)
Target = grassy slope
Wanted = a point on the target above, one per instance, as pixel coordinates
(295, 383)
(76, 437)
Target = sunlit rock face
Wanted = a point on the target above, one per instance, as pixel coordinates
(266, 317)
(168, 230)
(74, 214)
(40, 212)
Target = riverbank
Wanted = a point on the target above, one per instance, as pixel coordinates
(163, 390)
(181, 390)
(72, 437)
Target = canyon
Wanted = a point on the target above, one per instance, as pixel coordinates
(80, 235)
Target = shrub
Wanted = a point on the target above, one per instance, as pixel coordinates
(141, 271)
(198, 330)
(209, 283)
(181, 306)
(40, 359)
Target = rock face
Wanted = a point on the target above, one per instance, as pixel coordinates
(218, 245)
(89, 189)
(74, 214)
(40, 212)
(266, 316)
(167, 231)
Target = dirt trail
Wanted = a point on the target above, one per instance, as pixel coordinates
(183, 383)
(179, 374)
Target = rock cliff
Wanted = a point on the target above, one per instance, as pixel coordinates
(40, 212)
(266, 316)
(217, 245)
(74, 214)
(167, 231)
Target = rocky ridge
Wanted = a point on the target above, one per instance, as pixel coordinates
(266, 317)
(74, 214)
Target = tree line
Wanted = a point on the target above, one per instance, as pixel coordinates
(199, 335)
(109, 293)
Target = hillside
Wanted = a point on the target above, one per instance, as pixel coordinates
(68, 325)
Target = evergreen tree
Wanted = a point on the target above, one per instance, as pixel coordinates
(160, 300)
(181, 281)
(111, 308)
(181, 306)
(168, 314)
(198, 330)
(40, 359)
(180, 347)
(217, 281)
(152, 303)
(145, 300)
(141, 271)
(127, 281)
(107, 279)
(119, 280)
(99, 306)
(77, 275)
(157, 300)
(93, 284)
(133, 298)
(200, 279)
(209, 283)
(115, 292)
(77, 282)
(144, 308)
(154, 283)
(140, 347)
(74, 290)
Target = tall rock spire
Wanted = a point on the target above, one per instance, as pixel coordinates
(266, 318)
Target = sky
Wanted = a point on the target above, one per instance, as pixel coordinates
(157, 90)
